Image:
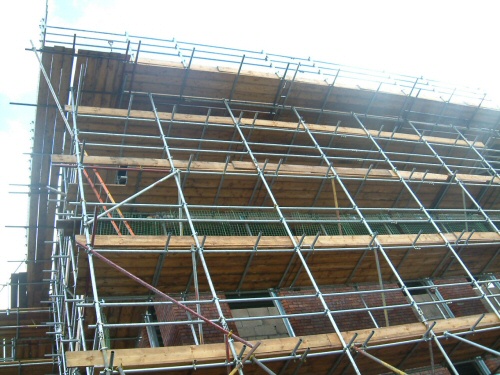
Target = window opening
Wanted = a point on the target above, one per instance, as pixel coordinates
(121, 175)
(424, 297)
(473, 367)
(154, 333)
(490, 286)
(253, 305)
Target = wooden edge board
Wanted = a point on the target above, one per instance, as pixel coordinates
(342, 130)
(269, 74)
(271, 168)
(181, 355)
(283, 242)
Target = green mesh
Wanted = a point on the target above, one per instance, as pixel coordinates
(251, 223)
(309, 229)
(387, 224)
(354, 229)
(426, 228)
(332, 229)
(459, 226)
(384, 228)
(267, 229)
(406, 223)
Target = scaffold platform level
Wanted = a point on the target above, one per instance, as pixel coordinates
(201, 208)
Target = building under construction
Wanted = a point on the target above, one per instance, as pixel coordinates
(200, 209)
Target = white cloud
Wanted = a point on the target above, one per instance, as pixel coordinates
(442, 40)
(14, 141)
(18, 70)
(18, 83)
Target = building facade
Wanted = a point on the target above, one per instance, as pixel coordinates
(198, 208)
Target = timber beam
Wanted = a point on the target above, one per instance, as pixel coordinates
(283, 242)
(270, 168)
(340, 130)
(208, 353)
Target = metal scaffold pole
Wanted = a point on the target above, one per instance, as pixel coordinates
(430, 219)
(101, 336)
(375, 240)
(198, 245)
(237, 189)
(478, 207)
(296, 245)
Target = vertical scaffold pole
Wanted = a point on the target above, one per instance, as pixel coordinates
(73, 133)
(87, 232)
(429, 218)
(296, 245)
(479, 208)
(198, 245)
(377, 245)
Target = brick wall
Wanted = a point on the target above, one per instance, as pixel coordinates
(317, 324)
(437, 371)
(170, 333)
(346, 321)
(465, 307)
(397, 316)
(143, 341)
(308, 325)
(181, 334)
(493, 363)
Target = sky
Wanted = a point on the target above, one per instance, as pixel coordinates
(450, 41)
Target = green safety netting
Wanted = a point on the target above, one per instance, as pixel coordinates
(251, 223)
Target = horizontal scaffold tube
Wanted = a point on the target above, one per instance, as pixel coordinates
(277, 242)
(270, 168)
(185, 355)
(163, 295)
(341, 130)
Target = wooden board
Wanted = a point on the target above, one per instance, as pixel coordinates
(171, 356)
(48, 137)
(341, 130)
(330, 263)
(270, 169)
(227, 257)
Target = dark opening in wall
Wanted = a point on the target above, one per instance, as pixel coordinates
(251, 300)
(154, 332)
(469, 368)
(416, 285)
(254, 313)
(18, 290)
(121, 175)
(429, 299)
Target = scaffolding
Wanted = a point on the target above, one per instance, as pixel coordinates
(278, 215)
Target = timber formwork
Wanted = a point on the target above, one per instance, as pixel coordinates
(174, 177)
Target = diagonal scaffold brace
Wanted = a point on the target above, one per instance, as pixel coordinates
(158, 292)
